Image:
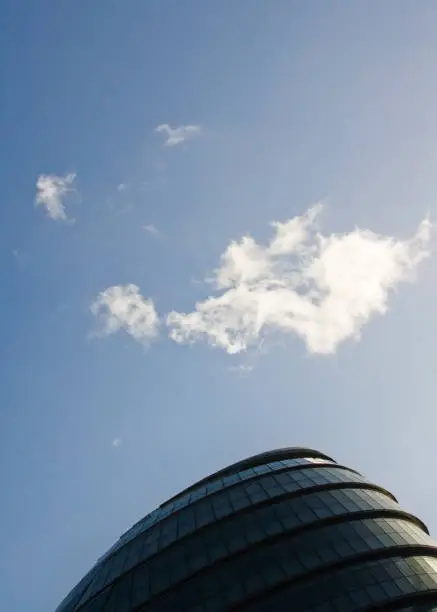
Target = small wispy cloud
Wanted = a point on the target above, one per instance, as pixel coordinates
(122, 187)
(122, 307)
(20, 256)
(116, 442)
(242, 369)
(51, 191)
(151, 229)
(322, 289)
(178, 134)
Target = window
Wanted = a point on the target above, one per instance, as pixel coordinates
(119, 599)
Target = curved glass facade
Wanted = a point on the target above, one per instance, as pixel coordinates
(287, 529)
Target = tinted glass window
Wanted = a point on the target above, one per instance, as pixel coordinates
(211, 487)
(243, 529)
(363, 586)
(291, 556)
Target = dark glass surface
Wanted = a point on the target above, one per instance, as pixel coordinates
(417, 607)
(222, 504)
(212, 487)
(230, 536)
(264, 567)
(298, 531)
(358, 587)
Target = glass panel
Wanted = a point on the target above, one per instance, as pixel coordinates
(262, 522)
(203, 490)
(308, 550)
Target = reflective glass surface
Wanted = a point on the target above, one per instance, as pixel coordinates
(288, 557)
(211, 487)
(215, 507)
(300, 533)
(424, 607)
(356, 588)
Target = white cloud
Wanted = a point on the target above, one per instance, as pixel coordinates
(50, 193)
(243, 369)
(151, 229)
(178, 134)
(321, 288)
(121, 187)
(122, 307)
(116, 442)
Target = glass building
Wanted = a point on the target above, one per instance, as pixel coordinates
(288, 529)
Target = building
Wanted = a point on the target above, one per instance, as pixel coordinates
(288, 529)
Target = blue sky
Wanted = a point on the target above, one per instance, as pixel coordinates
(104, 415)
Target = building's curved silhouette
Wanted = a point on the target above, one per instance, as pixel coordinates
(289, 529)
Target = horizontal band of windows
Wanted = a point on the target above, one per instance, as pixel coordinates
(398, 577)
(372, 585)
(236, 535)
(159, 515)
(239, 546)
(181, 501)
(214, 484)
(239, 531)
(278, 454)
(217, 507)
(141, 548)
(193, 561)
(294, 556)
(419, 602)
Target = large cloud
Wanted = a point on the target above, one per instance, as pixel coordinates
(322, 289)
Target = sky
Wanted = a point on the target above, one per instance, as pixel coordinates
(216, 238)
